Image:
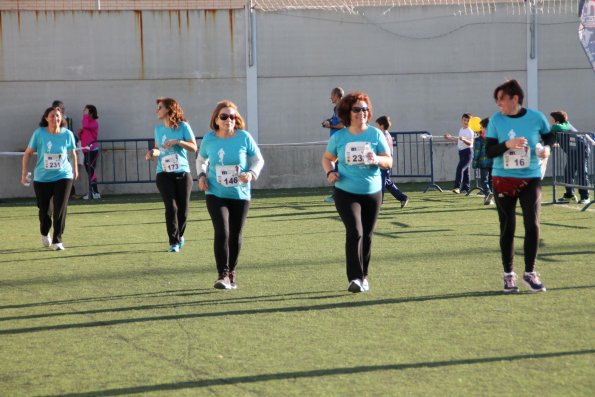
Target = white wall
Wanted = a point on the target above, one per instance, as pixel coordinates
(421, 65)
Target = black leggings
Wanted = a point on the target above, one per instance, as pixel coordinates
(358, 213)
(59, 191)
(90, 161)
(530, 199)
(228, 217)
(175, 189)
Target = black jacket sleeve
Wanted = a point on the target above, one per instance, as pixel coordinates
(495, 149)
(549, 139)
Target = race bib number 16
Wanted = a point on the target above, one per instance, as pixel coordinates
(517, 158)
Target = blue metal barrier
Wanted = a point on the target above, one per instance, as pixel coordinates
(572, 163)
(414, 156)
(123, 161)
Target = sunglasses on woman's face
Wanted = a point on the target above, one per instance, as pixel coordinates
(357, 109)
(225, 116)
(159, 107)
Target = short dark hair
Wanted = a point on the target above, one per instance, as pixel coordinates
(44, 122)
(384, 121)
(484, 123)
(344, 107)
(510, 88)
(92, 111)
(559, 116)
(466, 116)
(57, 104)
(338, 92)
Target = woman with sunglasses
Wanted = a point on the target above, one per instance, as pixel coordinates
(361, 150)
(228, 160)
(173, 139)
(53, 173)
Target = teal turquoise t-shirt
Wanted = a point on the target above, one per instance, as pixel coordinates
(354, 175)
(52, 154)
(513, 163)
(227, 159)
(174, 159)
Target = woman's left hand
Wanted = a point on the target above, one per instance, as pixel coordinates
(245, 177)
(170, 143)
(544, 153)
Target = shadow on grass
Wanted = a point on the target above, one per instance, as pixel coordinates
(295, 309)
(565, 226)
(61, 257)
(210, 302)
(317, 373)
(552, 257)
(399, 233)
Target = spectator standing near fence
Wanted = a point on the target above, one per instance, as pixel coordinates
(513, 138)
(577, 149)
(53, 174)
(88, 135)
(384, 123)
(464, 142)
(334, 123)
(361, 151)
(482, 162)
(228, 161)
(173, 139)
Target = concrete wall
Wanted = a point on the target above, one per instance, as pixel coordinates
(424, 66)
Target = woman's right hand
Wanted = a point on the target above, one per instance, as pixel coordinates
(516, 143)
(203, 185)
(150, 154)
(333, 177)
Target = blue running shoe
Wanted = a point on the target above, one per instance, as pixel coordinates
(532, 281)
(174, 248)
(181, 243)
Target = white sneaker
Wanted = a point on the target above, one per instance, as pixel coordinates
(365, 285)
(46, 240)
(355, 286)
(96, 196)
(58, 247)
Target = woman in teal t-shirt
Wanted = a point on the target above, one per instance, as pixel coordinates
(228, 160)
(361, 150)
(53, 174)
(173, 139)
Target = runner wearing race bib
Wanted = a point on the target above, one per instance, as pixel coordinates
(360, 150)
(228, 160)
(512, 140)
(53, 174)
(173, 139)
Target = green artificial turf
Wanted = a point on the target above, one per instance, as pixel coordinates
(115, 314)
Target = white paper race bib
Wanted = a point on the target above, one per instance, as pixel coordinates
(228, 175)
(517, 158)
(170, 163)
(52, 161)
(356, 153)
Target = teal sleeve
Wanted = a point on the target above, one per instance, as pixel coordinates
(331, 146)
(202, 151)
(33, 141)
